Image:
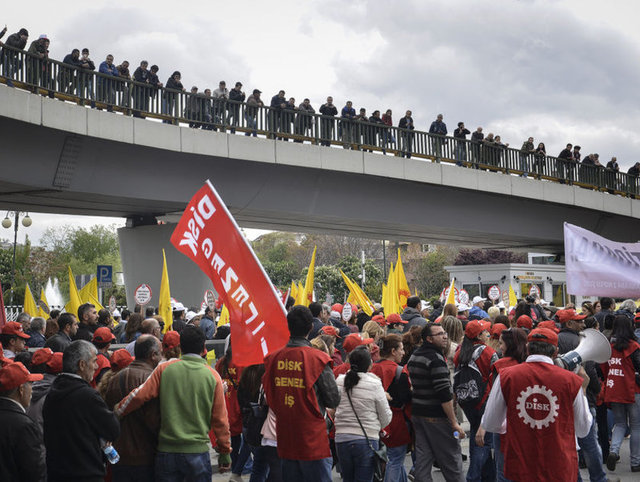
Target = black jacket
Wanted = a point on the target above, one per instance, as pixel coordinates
(58, 342)
(85, 332)
(413, 317)
(75, 419)
(19, 445)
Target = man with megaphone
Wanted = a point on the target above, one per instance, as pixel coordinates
(542, 408)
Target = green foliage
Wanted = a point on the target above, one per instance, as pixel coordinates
(431, 276)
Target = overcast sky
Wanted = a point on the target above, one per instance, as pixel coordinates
(558, 70)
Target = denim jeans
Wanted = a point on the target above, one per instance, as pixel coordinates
(267, 466)
(240, 454)
(592, 453)
(252, 124)
(395, 471)
(174, 467)
(624, 413)
(357, 460)
(481, 465)
(460, 152)
(524, 164)
(307, 470)
(499, 457)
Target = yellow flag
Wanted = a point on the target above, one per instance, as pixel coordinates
(89, 290)
(43, 299)
(293, 291)
(357, 296)
(301, 294)
(29, 302)
(74, 297)
(95, 302)
(401, 283)
(224, 316)
(513, 300)
(451, 297)
(164, 301)
(393, 304)
(308, 284)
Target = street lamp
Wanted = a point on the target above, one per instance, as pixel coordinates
(6, 223)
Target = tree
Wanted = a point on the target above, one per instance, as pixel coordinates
(488, 256)
(430, 274)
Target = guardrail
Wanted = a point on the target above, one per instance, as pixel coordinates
(87, 87)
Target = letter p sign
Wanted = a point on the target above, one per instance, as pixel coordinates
(105, 274)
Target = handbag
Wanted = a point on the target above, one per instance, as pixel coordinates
(380, 458)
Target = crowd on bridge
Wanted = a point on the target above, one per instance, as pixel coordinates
(286, 119)
(347, 391)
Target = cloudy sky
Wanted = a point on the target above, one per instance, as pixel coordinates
(558, 70)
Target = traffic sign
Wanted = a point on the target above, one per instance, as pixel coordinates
(143, 294)
(105, 274)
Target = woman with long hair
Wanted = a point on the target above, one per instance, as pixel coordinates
(396, 436)
(474, 352)
(410, 341)
(453, 326)
(449, 310)
(361, 414)
(622, 390)
(132, 328)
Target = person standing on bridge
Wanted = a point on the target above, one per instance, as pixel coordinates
(106, 87)
(174, 87)
(278, 104)
(406, 136)
(236, 96)
(11, 61)
(327, 124)
(460, 134)
(251, 113)
(439, 129)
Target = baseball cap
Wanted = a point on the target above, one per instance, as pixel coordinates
(330, 330)
(565, 316)
(475, 327)
(43, 355)
(354, 340)
(15, 374)
(395, 318)
(55, 364)
(548, 324)
(478, 299)
(171, 339)
(336, 307)
(463, 307)
(178, 307)
(497, 329)
(14, 328)
(544, 335)
(120, 359)
(103, 335)
(379, 319)
(524, 321)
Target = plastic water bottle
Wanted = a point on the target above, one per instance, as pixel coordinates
(112, 454)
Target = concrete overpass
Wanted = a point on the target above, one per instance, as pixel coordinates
(62, 158)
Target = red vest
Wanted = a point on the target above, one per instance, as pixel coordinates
(397, 432)
(341, 369)
(231, 396)
(620, 378)
(289, 376)
(540, 435)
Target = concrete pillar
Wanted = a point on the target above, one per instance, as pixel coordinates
(141, 254)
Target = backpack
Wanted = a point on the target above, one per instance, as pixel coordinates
(468, 385)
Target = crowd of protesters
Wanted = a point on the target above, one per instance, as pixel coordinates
(225, 108)
(346, 388)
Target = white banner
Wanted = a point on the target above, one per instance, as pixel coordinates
(599, 267)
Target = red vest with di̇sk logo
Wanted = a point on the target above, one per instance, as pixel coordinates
(540, 422)
(289, 376)
(620, 376)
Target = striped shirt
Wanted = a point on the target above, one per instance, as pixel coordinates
(430, 380)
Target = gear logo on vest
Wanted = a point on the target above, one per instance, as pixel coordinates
(537, 406)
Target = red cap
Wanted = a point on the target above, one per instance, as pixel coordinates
(330, 330)
(354, 340)
(14, 328)
(171, 339)
(395, 318)
(524, 321)
(475, 327)
(549, 325)
(43, 355)
(567, 315)
(15, 374)
(544, 335)
(497, 329)
(120, 359)
(379, 319)
(337, 307)
(103, 335)
(55, 364)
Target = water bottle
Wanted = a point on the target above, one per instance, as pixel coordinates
(109, 450)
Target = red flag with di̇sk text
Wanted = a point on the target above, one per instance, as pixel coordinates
(208, 234)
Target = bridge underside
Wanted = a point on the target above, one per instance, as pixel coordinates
(49, 170)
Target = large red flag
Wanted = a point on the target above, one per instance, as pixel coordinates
(208, 234)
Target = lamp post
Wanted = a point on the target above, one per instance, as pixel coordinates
(6, 223)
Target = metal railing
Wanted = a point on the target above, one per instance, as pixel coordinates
(88, 87)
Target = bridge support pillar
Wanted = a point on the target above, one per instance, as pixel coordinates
(141, 253)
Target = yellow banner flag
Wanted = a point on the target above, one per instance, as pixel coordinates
(43, 299)
(301, 294)
(357, 296)
(513, 299)
(29, 305)
(393, 304)
(95, 302)
(74, 297)
(89, 290)
(164, 301)
(293, 291)
(451, 297)
(308, 284)
(224, 316)
(401, 283)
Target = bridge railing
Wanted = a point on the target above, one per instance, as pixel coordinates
(70, 83)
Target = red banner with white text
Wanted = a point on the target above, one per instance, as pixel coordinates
(208, 234)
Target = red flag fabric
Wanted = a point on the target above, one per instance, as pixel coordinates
(3, 312)
(208, 234)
